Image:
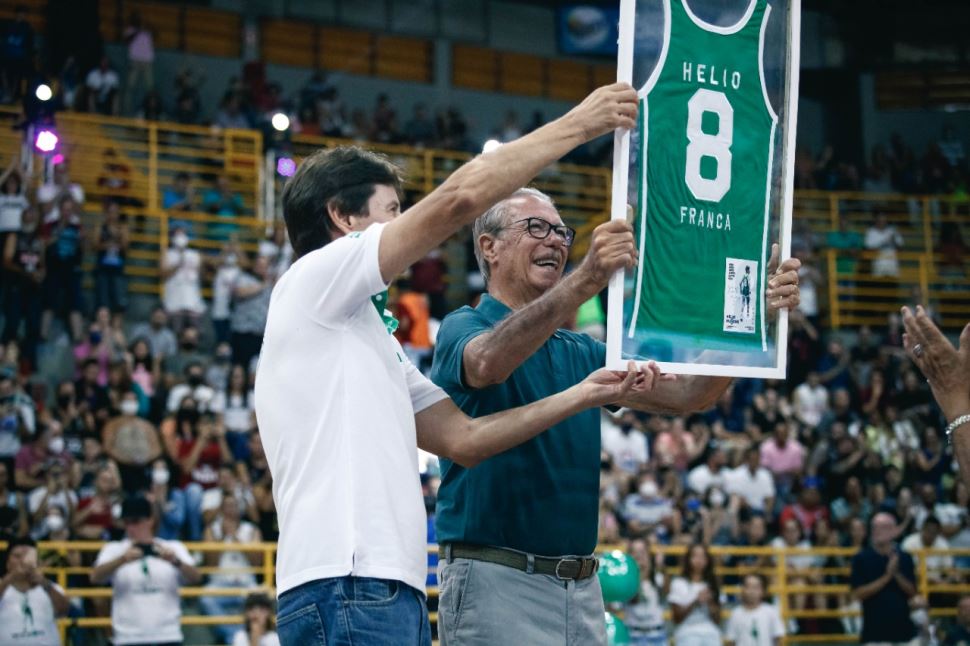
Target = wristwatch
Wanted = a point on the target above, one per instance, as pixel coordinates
(955, 424)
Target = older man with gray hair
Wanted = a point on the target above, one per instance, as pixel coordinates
(517, 531)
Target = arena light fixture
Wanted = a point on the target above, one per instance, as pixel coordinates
(280, 122)
(43, 92)
(285, 167)
(490, 145)
(46, 140)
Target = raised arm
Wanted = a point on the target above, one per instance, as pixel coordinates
(485, 180)
(494, 355)
(443, 429)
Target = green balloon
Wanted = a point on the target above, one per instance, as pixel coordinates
(616, 632)
(619, 577)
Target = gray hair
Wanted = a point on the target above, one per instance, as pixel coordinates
(495, 218)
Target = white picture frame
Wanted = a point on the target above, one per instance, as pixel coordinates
(713, 362)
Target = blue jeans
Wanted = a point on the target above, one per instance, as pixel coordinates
(216, 606)
(193, 511)
(353, 611)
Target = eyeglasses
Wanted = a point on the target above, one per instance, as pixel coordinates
(540, 230)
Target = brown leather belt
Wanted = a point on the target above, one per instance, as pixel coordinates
(567, 568)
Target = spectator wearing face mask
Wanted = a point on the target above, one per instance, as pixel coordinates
(181, 271)
(17, 418)
(187, 353)
(167, 501)
(719, 520)
(35, 459)
(222, 286)
(236, 407)
(626, 443)
(133, 443)
(647, 510)
(194, 386)
(29, 602)
(709, 474)
(56, 493)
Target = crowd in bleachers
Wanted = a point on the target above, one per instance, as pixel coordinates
(103, 406)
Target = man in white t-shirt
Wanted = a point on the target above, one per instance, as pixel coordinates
(626, 443)
(930, 537)
(811, 401)
(29, 603)
(754, 622)
(145, 574)
(752, 483)
(709, 474)
(341, 409)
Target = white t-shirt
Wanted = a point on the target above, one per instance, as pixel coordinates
(27, 618)
(754, 627)
(797, 561)
(698, 624)
(701, 478)
(629, 452)
(103, 82)
(236, 410)
(811, 403)
(335, 399)
(936, 564)
(753, 489)
(183, 291)
(11, 210)
(807, 292)
(145, 603)
(222, 286)
(241, 638)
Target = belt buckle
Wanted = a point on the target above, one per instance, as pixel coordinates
(559, 564)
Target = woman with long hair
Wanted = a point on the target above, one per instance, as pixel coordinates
(695, 601)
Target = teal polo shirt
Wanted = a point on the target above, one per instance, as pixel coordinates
(543, 495)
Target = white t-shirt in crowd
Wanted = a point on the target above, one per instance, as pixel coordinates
(936, 564)
(11, 209)
(335, 399)
(629, 451)
(241, 638)
(145, 604)
(697, 625)
(236, 410)
(701, 478)
(183, 289)
(807, 293)
(27, 618)
(754, 626)
(222, 286)
(811, 403)
(753, 489)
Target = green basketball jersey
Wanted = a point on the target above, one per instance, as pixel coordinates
(707, 133)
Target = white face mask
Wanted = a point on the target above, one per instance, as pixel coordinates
(55, 523)
(232, 260)
(129, 407)
(56, 445)
(648, 489)
(180, 241)
(160, 476)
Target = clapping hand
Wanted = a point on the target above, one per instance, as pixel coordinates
(946, 368)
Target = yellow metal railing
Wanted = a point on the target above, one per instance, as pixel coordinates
(785, 581)
(152, 153)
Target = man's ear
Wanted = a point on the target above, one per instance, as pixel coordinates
(487, 243)
(341, 222)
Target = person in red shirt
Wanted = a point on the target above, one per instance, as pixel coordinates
(199, 455)
(808, 509)
(95, 517)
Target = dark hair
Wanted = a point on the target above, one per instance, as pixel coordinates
(759, 577)
(340, 178)
(14, 175)
(932, 520)
(708, 574)
(13, 543)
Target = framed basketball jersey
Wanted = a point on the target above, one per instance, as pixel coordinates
(707, 175)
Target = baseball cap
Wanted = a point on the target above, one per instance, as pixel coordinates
(136, 508)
